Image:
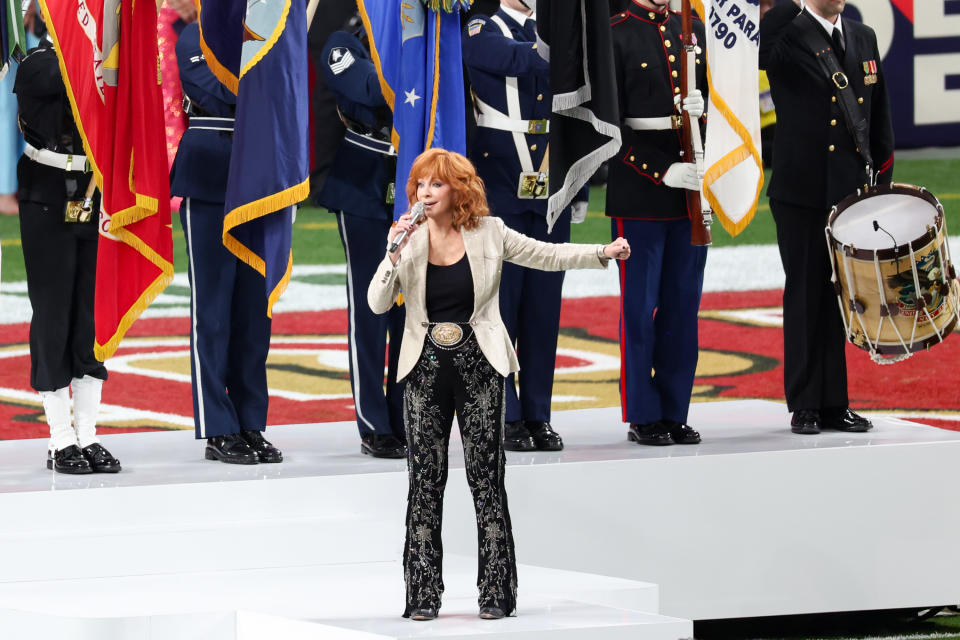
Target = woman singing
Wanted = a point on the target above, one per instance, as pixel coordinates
(454, 356)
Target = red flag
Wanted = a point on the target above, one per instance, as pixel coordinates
(108, 58)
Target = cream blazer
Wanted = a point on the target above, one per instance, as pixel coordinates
(487, 247)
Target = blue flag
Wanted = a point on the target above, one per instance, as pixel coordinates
(417, 54)
(259, 51)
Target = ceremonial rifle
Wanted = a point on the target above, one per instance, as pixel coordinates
(699, 211)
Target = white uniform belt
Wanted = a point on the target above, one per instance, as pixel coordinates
(62, 161)
(652, 124)
(369, 143)
(210, 123)
(493, 119)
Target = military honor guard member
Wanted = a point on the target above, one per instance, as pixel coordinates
(455, 354)
(817, 162)
(229, 327)
(660, 286)
(360, 189)
(59, 216)
(510, 149)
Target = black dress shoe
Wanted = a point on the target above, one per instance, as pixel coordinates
(682, 433)
(517, 438)
(655, 434)
(544, 436)
(101, 460)
(805, 421)
(382, 446)
(422, 615)
(845, 420)
(69, 460)
(231, 448)
(266, 452)
(491, 613)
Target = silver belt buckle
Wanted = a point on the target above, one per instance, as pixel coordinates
(446, 334)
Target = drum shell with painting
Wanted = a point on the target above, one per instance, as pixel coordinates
(877, 277)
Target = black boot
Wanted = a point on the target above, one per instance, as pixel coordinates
(68, 460)
(382, 446)
(517, 438)
(231, 448)
(544, 436)
(266, 452)
(101, 460)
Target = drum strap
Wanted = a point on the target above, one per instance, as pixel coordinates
(852, 113)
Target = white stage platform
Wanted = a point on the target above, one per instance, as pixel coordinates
(755, 521)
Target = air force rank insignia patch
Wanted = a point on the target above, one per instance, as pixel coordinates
(340, 60)
(474, 27)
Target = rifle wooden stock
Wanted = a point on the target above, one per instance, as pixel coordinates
(699, 215)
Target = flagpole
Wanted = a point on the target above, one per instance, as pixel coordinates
(697, 208)
(311, 11)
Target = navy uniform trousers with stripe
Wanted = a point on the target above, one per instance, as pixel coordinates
(230, 338)
(364, 240)
(660, 287)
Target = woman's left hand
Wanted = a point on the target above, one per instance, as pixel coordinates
(619, 249)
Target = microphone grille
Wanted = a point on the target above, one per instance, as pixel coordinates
(417, 209)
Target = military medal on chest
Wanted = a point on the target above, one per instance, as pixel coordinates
(869, 72)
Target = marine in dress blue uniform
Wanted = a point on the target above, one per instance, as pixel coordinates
(359, 189)
(511, 91)
(229, 327)
(660, 285)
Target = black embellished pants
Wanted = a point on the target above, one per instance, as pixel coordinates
(444, 381)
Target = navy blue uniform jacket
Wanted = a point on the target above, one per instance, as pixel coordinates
(203, 157)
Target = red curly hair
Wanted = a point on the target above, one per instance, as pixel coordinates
(469, 196)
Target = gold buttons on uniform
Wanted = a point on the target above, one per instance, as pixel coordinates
(674, 73)
(833, 122)
(831, 147)
(533, 147)
(644, 165)
(698, 60)
(632, 159)
(485, 154)
(860, 100)
(656, 174)
(672, 58)
(666, 43)
(652, 15)
(662, 28)
(698, 49)
(676, 89)
(539, 96)
(643, 65)
(833, 98)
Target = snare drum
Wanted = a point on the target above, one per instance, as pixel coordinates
(892, 271)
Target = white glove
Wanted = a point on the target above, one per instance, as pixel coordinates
(692, 104)
(578, 212)
(682, 175)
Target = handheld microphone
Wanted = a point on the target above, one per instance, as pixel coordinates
(417, 211)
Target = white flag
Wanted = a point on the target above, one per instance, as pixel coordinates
(734, 170)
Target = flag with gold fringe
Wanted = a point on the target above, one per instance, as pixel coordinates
(415, 46)
(259, 51)
(107, 51)
(734, 171)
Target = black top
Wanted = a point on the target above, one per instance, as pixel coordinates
(647, 48)
(44, 114)
(815, 158)
(450, 292)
